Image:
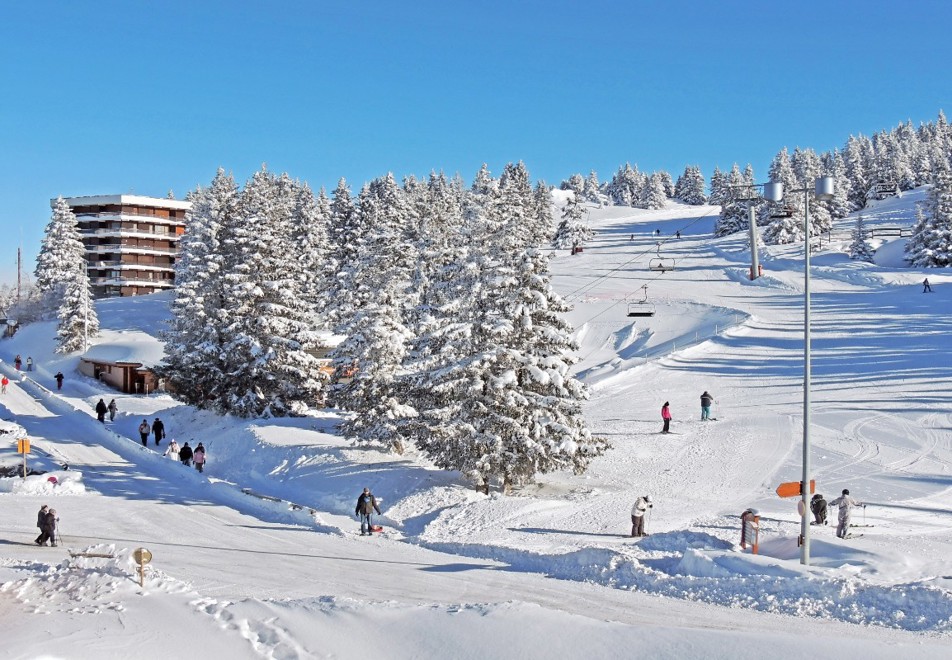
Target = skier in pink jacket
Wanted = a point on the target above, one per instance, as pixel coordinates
(666, 416)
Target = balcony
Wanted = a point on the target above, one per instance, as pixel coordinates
(130, 281)
(129, 233)
(129, 217)
(129, 249)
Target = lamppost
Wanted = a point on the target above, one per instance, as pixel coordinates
(823, 190)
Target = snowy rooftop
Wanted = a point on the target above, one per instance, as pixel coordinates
(132, 200)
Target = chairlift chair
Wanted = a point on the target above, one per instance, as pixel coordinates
(659, 264)
(882, 190)
(782, 212)
(641, 307)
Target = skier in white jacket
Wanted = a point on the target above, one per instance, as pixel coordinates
(846, 504)
(642, 504)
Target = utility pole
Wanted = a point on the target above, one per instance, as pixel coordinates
(19, 271)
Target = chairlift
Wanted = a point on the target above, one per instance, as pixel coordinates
(641, 307)
(781, 212)
(883, 189)
(661, 265)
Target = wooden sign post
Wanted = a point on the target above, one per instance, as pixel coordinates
(142, 557)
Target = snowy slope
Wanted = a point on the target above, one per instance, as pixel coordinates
(459, 574)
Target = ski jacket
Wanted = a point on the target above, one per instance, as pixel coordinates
(199, 457)
(49, 523)
(158, 428)
(40, 517)
(706, 400)
(641, 505)
(846, 504)
(367, 504)
(185, 453)
(113, 407)
(101, 407)
(665, 412)
(144, 428)
(172, 449)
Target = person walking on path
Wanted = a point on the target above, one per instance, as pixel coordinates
(59, 380)
(926, 287)
(40, 520)
(173, 450)
(29, 363)
(706, 401)
(185, 455)
(113, 409)
(638, 511)
(101, 410)
(818, 507)
(666, 416)
(366, 505)
(198, 457)
(158, 429)
(846, 504)
(18, 362)
(48, 528)
(144, 432)
(3, 384)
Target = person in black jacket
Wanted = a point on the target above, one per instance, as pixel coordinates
(185, 455)
(158, 429)
(40, 520)
(366, 505)
(101, 410)
(49, 529)
(706, 401)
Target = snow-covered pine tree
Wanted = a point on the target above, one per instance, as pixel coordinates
(779, 227)
(859, 169)
(541, 218)
(193, 360)
(61, 253)
(861, 249)
(734, 212)
(835, 167)
(77, 314)
(573, 231)
(266, 329)
(653, 195)
(593, 189)
(719, 190)
(575, 183)
(667, 183)
(931, 242)
(344, 237)
(690, 186)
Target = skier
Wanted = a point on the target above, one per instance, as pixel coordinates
(926, 287)
(29, 364)
(48, 528)
(172, 450)
(198, 457)
(818, 507)
(3, 384)
(113, 409)
(144, 432)
(40, 519)
(638, 511)
(158, 428)
(17, 362)
(59, 380)
(366, 505)
(666, 416)
(706, 401)
(677, 234)
(101, 410)
(846, 504)
(185, 455)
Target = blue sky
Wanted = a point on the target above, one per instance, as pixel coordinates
(116, 97)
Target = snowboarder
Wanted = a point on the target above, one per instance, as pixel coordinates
(926, 287)
(198, 457)
(638, 511)
(172, 450)
(846, 504)
(113, 409)
(40, 519)
(158, 429)
(185, 455)
(3, 384)
(366, 505)
(666, 416)
(818, 507)
(59, 380)
(17, 362)
(101, 410)
(48, 528)
(29, 363)
(144, 432)
(706, 401)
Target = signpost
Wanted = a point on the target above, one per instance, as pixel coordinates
(792, 488)
(23, 447)
(142, 557)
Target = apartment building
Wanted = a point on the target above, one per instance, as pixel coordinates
(131, 242)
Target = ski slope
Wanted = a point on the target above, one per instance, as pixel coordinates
(550, 570)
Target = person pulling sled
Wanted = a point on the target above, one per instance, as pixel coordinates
(366, 505)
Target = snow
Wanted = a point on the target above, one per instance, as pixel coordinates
(259, 556)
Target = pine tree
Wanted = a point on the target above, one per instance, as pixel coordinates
(573, 231)
(575, 183)
(734, 215)
(931, 242)
(690, 186)
(860, 249)
(60, 255)
(653, 194)
(77, 314)
(719, 191)
(667, 183)
(593, 189)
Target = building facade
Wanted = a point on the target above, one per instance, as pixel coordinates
(131, 242)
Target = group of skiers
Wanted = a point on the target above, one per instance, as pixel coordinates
(846, 504)
(187, 455)
(707, 400)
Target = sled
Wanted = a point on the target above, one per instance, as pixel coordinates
(376, 528)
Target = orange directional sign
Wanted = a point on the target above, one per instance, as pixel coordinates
(792, 488)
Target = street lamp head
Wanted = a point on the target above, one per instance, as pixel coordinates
(773, 191)
(824, 188)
